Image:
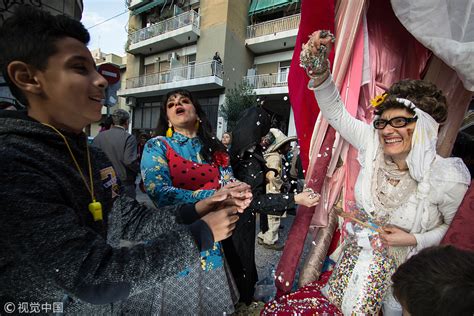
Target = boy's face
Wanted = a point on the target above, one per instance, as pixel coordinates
(72, 90)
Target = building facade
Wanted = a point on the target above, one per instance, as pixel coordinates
(113, 101)
(171, 45)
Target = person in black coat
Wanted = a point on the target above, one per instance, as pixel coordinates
(249, 166)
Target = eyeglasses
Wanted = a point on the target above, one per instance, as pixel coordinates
(396, 122)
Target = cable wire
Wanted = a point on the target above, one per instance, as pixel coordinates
(107, 20)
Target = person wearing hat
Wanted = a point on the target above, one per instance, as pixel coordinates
(275, 159)
(121, 148)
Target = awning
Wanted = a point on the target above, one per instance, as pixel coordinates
(148, 6)
(258, 6)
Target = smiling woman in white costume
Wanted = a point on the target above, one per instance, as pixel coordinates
(405, 191)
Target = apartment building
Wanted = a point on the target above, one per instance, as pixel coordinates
(271, 37)
(171, 45)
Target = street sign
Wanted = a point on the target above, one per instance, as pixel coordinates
(110, 72)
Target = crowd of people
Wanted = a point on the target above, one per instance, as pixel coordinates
(193, 253)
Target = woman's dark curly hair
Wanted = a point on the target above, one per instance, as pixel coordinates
(209, 142)
(425, 95)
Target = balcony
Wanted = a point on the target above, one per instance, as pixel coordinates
(268, 83)
(165, 35)
(133, 4)
(273, 35)
(194, 77)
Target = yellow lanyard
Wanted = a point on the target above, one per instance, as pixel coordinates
(94, 207)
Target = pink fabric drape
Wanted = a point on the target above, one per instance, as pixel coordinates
(458, 99)
(394, 53)
(317, 171)
(315, 15)
(350, 95)
(333, 183)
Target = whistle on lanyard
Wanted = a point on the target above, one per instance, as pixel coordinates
(96, 209)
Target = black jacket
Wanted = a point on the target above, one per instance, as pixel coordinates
(53, 251)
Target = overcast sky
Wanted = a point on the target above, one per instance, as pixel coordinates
(110, 36)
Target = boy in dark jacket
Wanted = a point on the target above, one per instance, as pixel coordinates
(62, 219)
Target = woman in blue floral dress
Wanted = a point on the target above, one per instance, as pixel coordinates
(184, 165)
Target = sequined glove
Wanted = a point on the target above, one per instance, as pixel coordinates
(316, 64)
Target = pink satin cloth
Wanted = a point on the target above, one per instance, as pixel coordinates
(315, 15)
(320, 155)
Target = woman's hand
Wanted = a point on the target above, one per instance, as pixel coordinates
(397, 237)
(237, 195)
(316, 40)
(313, 56)
(234, 188)
(221, 222)
(307, 198)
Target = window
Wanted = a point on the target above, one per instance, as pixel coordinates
(283, 70)
(191, 61)
(164, 71)
(149, 69)
(210, 106)
(145, 116)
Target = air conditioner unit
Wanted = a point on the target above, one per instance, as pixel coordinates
(131, 101)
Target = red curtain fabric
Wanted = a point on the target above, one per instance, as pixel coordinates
(307, 301)
(315, 15)
(460, 232)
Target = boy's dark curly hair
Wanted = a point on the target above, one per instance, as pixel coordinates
(30, 35)
(425, 95)
(436, 281)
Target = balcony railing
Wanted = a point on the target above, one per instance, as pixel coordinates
(168, 25)
(188, 72)
(279, 25)
(267, 81)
